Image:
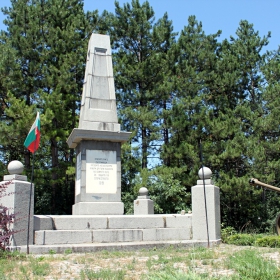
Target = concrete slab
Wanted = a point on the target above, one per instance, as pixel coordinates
(52, 237)
(120, 246)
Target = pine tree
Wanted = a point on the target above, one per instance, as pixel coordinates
(143, 68)
(266, 145)
(195, 55)
(49, 41)
(19, 66)
(140, 67)
(235, 103)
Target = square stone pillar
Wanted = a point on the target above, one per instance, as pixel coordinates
(17, 200)
(199, 222)
(143, 205)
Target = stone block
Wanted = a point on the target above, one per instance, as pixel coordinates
(98, 208)
(125, 235)
(178, 221)
(52, 237)
(160, 234)
(135, 222)
(42, 222)
(206, 182)
(79, 222)
(15, 177)
(143, 207)
(78, 135)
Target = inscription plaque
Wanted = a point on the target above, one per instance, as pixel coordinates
(101, 171)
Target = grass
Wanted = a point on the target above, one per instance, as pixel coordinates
(106, 274)
(249, 264)
(229, 262)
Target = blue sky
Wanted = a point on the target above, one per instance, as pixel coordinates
(214, 14)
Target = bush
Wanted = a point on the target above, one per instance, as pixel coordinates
(269, 241)
(243, 239)
(226, 232)
(260, 240)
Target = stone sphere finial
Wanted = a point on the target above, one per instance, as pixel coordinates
(15, 167)
(143, 191)
(207, 173)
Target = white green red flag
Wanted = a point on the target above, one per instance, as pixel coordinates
(32, 140)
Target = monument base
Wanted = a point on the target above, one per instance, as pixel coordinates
(98, 208)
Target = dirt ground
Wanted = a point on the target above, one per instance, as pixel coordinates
(139, 263)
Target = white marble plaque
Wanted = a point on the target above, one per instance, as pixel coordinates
(101, 171)
(78, 174)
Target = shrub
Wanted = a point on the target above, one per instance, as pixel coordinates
(242, 239)
(260, 240)
(226, 232)
(269, 241)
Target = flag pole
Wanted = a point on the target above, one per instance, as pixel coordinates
(204, 190)
(32, 147)
(30, 195)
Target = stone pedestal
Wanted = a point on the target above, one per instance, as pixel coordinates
(199, 222)
(98, 172)
(143, 205)
(98, 138)
(17, 200)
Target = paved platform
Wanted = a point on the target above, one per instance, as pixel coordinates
(86, 229)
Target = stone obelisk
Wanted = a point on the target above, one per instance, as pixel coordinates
(98, 138)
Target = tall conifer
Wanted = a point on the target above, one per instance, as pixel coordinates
(48, 40)
(235, 103)
(141, 69)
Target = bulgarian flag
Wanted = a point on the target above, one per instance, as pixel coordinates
(32, 140)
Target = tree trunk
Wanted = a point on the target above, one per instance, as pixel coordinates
(144, 149)
(54, 152)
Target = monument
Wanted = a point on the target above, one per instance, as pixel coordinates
(98, 138)
(98, 222)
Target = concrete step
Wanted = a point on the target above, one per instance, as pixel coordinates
(124, 246)
(85, 222)
(52, 237)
